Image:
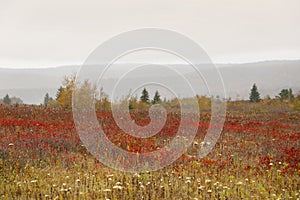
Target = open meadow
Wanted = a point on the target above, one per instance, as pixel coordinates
(257, 157)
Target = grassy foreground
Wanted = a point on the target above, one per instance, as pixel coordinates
(41, 157)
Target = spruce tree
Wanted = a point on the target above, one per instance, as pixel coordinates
(46, 99)
(145, 96)
(59, 92)
(254, 95)
(7, 100)
(156, 98)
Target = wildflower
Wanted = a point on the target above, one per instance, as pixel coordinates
(201, 187)
(209, 191)
(136, 175)
(239, 183)
(188, 181)
(109, 175)
(271, 164)
(107, 190)
(207, 181)
(10, 144)
(117, 187)
(33, 181)
(216, 183)
(77, 180)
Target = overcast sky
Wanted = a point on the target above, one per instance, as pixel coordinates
(51, 33)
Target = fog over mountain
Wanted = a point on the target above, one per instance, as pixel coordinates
(31, 85)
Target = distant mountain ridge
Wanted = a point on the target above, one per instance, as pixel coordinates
(31, 85)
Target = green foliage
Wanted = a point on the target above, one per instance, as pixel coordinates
(7, 100)
(47, 99)
(145, 96)
(59, 92)
(254, 95)
(156, 98)
(286, 95)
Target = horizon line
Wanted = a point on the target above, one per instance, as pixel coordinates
(170, 63)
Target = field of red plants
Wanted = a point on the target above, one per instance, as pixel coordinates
(42, 157)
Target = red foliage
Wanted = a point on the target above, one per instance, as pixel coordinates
(38, 133)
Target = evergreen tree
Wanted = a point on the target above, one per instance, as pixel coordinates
(47, 99)
(59, 92)
(156, 98)
(7, 100)
(291, 95)
(254, 95)
(145, 96)
(286, 95)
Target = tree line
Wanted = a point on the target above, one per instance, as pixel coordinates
(285, 95)
(63, 97)
(11, 100)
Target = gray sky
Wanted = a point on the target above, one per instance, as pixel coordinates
(36, 33)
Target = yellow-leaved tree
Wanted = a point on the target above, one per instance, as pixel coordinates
(64, 93)
(86, 94)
